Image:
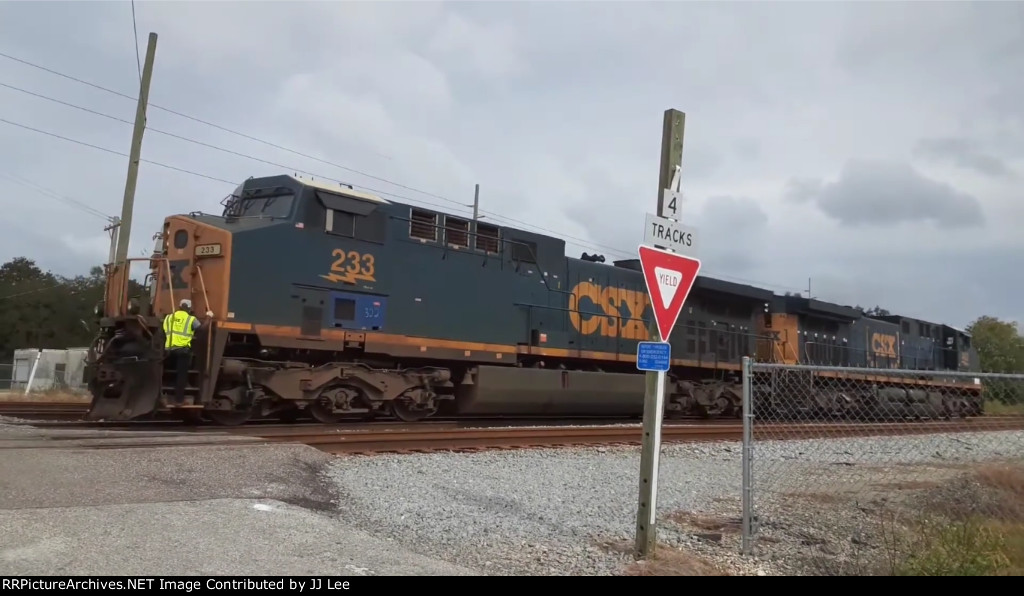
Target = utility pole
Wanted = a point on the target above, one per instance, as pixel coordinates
(476, 202)
(113, 228)
(127, 205)
(646, 526)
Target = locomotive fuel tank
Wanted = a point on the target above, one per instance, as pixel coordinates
(538, 391)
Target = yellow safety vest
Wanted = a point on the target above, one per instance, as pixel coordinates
(178, 330)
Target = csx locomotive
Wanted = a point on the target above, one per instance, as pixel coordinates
(333, 303)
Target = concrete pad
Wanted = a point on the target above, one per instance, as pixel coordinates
(214, 537)
(234, 509)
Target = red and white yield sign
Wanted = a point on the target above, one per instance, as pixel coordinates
(670, 277)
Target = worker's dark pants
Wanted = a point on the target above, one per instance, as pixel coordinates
(182, 358)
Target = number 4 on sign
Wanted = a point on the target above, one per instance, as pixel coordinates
(671, 197)
(669, 278)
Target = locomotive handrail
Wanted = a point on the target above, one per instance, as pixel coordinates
(202, 284)
(123, 268)
(170, 287)
(206, 302)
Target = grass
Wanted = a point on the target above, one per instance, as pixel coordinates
(998, 408)
(687, 519)
(667, 560)
(672, 561)
(971, 527)
(49, 395)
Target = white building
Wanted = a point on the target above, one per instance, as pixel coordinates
(54, 369)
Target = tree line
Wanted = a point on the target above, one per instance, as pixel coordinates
(39, 309)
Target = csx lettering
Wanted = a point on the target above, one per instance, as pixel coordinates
(673, 235)
(883, 344)
(611, 301)
(351, 266)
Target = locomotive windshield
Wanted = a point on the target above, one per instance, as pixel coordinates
(260, 203)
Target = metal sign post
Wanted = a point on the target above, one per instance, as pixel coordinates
(669, 278)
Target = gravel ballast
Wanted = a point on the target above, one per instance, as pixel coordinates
(573, 511)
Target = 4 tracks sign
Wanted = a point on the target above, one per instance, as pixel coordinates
(669, 273)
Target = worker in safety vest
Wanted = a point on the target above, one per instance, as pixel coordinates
(179, 328)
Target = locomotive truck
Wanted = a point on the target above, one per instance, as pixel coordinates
(331, 303)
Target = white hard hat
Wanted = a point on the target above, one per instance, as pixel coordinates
(185, 303)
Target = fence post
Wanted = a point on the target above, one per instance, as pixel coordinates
(748, 421)
(32, 375)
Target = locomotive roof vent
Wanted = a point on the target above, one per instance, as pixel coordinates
(343, 190)
(633, 264)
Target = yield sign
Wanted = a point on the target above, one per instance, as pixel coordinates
(669, 277)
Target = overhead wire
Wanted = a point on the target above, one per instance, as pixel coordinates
(114, 152)
(220, 149)
(36, 291)
(135, 31)
(583, 242)
(580, 241)
(55, 195)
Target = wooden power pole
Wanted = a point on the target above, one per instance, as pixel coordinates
(128, 204)
(646, 526)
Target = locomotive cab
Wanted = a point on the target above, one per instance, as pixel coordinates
(193, 259)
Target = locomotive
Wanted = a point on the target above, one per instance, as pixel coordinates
(330, 303)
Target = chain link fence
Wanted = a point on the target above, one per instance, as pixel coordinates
(853, 471)
(52, 372)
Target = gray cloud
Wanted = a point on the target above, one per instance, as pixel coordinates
(964, 153)
(555, 109)
(886, 194)
(742, 214)
(929, 289)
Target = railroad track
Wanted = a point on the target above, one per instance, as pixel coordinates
(391, 437)
(418, 440)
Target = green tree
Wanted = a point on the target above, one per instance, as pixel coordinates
(1000, 350)
(41, 310)
(999, 343)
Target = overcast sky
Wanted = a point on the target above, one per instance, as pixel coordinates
(874, 148)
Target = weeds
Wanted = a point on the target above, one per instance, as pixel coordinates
(971, 527)
(47, 395)
(998, 408)
(672, 561)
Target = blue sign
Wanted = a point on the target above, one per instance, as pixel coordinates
(653, 356)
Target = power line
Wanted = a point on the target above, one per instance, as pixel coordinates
(135, 31)
(76, 141)
(337, 165)
(36, 291)
(580, 241)
(55, 195)
(209, 145)
(498, 216)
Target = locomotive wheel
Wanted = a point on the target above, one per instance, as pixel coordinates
(322, 413)
(403, 412)
(341, 397)
(229, 417)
